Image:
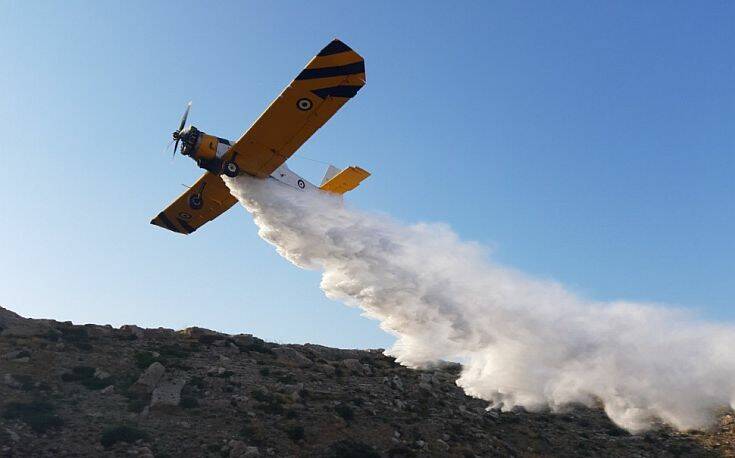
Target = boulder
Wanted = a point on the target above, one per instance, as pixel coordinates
(239, 449)
(202, 334)
(326, 369)
(17, 354)
(291, 357)
(100, 374)
(11, 382)
(354, 366)
(216, 371)
(150, 378)
(133, 330)
(168, 393)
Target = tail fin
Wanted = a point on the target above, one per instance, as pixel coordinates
(346, 180)
(330, 173)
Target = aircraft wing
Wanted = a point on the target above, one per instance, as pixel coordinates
(208, 198)
(329, 80)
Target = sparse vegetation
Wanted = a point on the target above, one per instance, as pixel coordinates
(269, 402)
(295, 432)
(177, 350)
(286, 378)
(27, 383)
(122, 433)
(254, 433)
(345, 411)
(225, 374)
(143, 359)
(352, 449)
(188, 402)
(39, 415)
(255, 345)
(137, 400)
(75, 335)
(85, 376)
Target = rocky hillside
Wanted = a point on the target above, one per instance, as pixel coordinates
(68, 390)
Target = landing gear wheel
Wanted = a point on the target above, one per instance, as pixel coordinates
(195, 201)
(230, 169)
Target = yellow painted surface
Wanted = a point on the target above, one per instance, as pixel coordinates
(207, 147)
(284, 127)
(346, 180)
(181, 217)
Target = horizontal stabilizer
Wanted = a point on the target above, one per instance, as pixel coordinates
(346, 180)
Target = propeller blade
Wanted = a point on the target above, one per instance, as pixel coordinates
(186, 115)
(168, 146)
(177, 133)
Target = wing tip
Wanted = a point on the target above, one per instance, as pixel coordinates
(335, 46)
(162, 221)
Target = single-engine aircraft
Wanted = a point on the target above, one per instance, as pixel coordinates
(329, 80)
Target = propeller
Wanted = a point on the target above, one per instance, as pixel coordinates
(177, 133)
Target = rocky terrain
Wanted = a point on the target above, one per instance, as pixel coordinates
(68, 390)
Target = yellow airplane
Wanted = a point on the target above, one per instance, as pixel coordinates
(329, 80)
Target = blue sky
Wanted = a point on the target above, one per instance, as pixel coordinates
(587, 142)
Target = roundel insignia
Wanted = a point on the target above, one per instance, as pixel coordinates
(301, 184)
(304, 104)
(184, 215)
(195, 201)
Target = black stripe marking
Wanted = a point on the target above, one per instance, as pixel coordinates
(222, 140)
(334, 47)
(326, 72)
(336, 91)
(167, 222)
(185, 225)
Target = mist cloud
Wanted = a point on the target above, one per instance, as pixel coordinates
(523, 341)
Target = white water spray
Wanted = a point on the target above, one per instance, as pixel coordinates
(524, 342)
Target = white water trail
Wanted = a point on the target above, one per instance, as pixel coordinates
(523, 341)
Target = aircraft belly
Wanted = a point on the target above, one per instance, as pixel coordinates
(284, 175)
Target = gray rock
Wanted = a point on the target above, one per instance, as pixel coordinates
(167, 393)
(17, 354)
(198, 333)
(326, 369)
(333, 354)
(10, 381)
(12, 434)
(216, 371)
(150, 378)
(100, 374)
(240, 449)
(134, 330)
(143, 452)
(291, 357)
(425, 386)
(244, 339)
(353, 366)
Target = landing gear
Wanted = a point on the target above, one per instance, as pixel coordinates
(230, 169)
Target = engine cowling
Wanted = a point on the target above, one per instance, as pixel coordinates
(198, 145)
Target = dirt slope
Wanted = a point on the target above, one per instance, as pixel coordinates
(92, 390)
